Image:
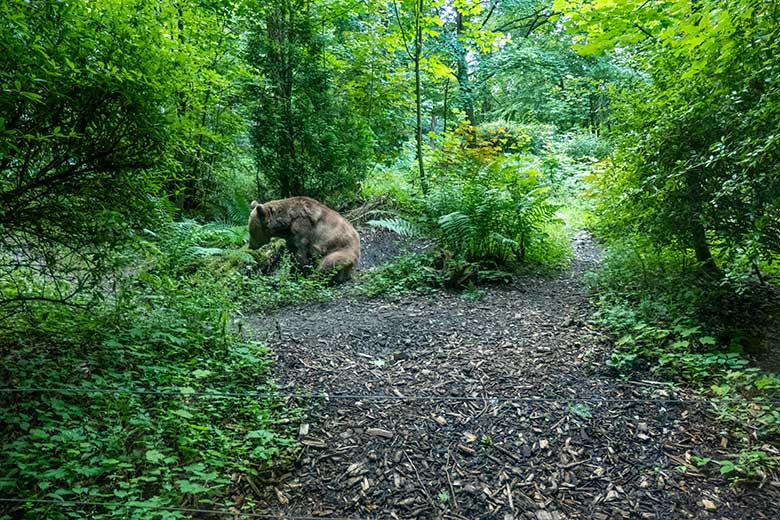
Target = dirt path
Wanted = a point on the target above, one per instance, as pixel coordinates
(570, 443)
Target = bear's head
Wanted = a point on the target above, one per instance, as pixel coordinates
(259, 234)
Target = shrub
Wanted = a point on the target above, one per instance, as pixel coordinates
(168, 327)
(485, 206)
(162, 334)
(668, 319)
(409, 273)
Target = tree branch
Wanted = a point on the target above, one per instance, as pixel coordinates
(490, 13)
(645, 31)
(403, 33)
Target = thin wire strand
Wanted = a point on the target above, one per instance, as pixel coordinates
(372, 397)
(70, 503)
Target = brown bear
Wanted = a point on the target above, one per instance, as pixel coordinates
(311, 230)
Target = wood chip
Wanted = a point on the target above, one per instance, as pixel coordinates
(465, 449)
(379, 432)
(313, 443)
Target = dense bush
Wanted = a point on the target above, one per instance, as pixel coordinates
(168, 326)
(668, 320)
(486, 205)
(696, 159)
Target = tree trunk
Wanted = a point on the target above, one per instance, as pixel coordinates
(702, 249)
(417, 93)
(464, 84)
(698, 233)
(446, 99)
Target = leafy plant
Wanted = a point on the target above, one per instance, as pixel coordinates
(659, 315)
(131, 443)
(409, 273)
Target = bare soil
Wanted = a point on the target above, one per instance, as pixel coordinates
(499, 408)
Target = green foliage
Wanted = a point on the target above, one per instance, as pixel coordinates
(587, 145)
(661, 316)
(109, 109)
(696, 148)
(488, 205)
(220, 249)
(535, 76)
(581, 409)
(306, 137)
(81, 127)
(409, 273)
(286, 286)
(190, 246)
(395, 184)
(159, 332)
(398, 225)
(210, 159)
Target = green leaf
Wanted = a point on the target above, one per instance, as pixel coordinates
(581, 409)
(154, 456)
(260, 434)
(183, 413)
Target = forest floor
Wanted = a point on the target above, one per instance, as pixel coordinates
(500, 407)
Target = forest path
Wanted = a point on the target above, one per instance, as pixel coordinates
(577, 444)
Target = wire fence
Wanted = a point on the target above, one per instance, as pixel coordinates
(186, 392)
(325, 395)
(153, 507)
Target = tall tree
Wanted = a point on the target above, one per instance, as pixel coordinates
(304, 133)
(414, 49)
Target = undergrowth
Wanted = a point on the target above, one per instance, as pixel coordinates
(667, 319)
(491, 202)
(161, 336)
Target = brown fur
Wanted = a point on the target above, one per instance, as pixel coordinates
(311, 230)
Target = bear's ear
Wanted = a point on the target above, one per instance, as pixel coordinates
(253, 204)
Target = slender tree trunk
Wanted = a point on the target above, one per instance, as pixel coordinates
(698, 233)
(701, 248)
(464, 83)
(181, 113)
(418, 103)
(446, 108)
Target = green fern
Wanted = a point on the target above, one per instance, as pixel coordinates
(458, 230)
(237, 212)
(398, 225)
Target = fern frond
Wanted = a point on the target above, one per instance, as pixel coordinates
(201, 252)
(237, 212)
(458, 228)
(398, 225)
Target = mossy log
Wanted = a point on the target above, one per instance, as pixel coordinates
(268, 256)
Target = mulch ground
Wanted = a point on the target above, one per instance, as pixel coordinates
(410, 429)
